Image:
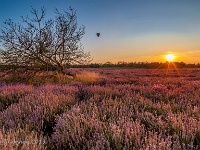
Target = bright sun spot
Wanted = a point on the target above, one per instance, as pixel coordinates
(170, 57)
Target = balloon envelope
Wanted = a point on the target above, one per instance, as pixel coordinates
(98, 34)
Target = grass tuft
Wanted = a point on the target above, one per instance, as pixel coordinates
(88, 77)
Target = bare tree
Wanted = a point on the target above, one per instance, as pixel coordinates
(52, 43)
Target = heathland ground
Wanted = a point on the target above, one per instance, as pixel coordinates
(102, 109)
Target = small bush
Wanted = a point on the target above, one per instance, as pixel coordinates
(83, 93)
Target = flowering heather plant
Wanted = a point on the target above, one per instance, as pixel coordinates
(12, 93)
(77, 131)
(128, 109)
(37, 109)
(22, 139)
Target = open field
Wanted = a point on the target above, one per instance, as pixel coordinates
(104, 109)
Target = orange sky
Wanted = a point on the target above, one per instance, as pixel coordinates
(150, 48)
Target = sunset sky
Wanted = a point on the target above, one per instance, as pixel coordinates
(131, 30)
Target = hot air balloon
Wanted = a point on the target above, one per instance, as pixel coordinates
(98, 34)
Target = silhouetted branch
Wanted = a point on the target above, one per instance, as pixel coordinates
(52, 42)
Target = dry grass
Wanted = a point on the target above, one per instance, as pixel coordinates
(35, 78)
(40, 77)
(88, 77)
(50, 77)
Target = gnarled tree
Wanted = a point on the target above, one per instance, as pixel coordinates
(52, 43)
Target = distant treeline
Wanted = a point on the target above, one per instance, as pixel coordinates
(148, 65)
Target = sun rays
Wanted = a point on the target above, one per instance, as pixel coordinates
(170, 64)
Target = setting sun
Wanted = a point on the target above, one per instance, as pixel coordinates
(170, 57)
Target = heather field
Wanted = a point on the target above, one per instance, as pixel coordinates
(111, 109)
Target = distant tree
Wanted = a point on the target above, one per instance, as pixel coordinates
(51, 43)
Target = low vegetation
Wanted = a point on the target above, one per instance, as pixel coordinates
(103, 109)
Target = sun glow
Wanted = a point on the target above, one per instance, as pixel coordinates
(170, 57)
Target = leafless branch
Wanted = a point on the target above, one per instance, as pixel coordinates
(51, 42)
